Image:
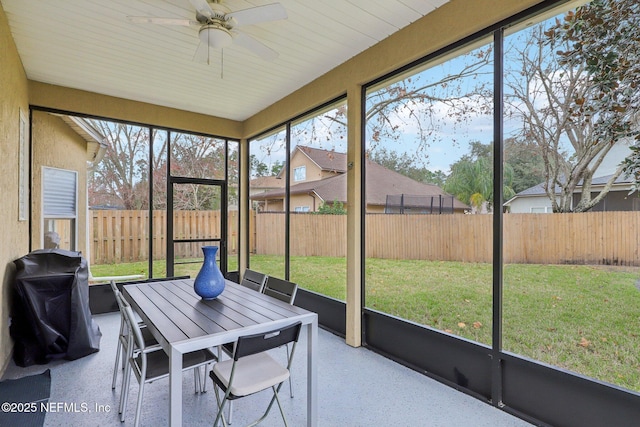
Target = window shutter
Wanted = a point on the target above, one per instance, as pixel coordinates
(59, 193)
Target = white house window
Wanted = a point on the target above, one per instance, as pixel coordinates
(59, 207)
(301, 209)
(300, 173)
(541, 209)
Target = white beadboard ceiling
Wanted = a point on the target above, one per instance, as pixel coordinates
(91, 45)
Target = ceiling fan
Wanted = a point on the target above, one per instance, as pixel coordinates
(218, 26)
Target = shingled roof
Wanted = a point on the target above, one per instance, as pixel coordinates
(621, 183)
(326, 160)
(380, 182)
(266, 182)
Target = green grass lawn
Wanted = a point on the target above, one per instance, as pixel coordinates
(581, 318)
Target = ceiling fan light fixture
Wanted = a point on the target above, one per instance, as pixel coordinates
(215, 36)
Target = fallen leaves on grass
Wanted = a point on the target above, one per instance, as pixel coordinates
(462, 325)
(477, 325)
(584, 342)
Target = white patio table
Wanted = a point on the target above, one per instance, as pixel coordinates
(182, 322)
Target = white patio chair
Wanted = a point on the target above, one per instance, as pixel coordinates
(151, 365)
(252, 369)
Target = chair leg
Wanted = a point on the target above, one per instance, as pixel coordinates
(116, 365)
(126, 380)
(139, 403)
(288, 364)
(276, 399)
(204, 379)
(220, 415)
(290, 387)
(124, 393)
(275, 394)
(199, 381)
(230, 411)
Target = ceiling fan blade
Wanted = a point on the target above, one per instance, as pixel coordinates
(202, 7)
(161, 21)
(255, 46)
(259, 14)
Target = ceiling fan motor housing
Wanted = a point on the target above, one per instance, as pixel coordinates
(215, 36)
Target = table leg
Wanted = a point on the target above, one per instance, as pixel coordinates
(312, 374)
(175, 388)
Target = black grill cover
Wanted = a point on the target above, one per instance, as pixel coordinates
(50, 316)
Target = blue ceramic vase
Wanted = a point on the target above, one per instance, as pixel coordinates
(209, 282)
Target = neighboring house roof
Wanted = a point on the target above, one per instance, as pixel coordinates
(326, 160)
(329, 186)
(621, 183)
(622, 179)
(266, 182)
(380, 183)
(605, 171)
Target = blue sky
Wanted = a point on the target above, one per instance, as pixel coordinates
(451, 133)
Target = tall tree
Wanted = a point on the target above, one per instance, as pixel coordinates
(561, 101)
(276, 167)
(526, 161)
(605, 35)
(426, 104)
(471, 178)
(258, 168)
(197, 156)
(118, 179)
(122, 177)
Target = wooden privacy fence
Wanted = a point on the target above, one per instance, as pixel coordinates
(593, 238)
(609, 238)
(123, 235)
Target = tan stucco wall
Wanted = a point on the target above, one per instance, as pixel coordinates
(304, 200)
(313, 172)
(273, 205)
(78, 101)
(15, 234)
(56, 145)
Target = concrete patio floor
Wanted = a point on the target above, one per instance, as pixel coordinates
(356, 387)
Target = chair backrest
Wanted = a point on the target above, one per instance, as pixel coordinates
(281, 289)
(257, 343)
(253, 280)
(132, 323)
(116, 294)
